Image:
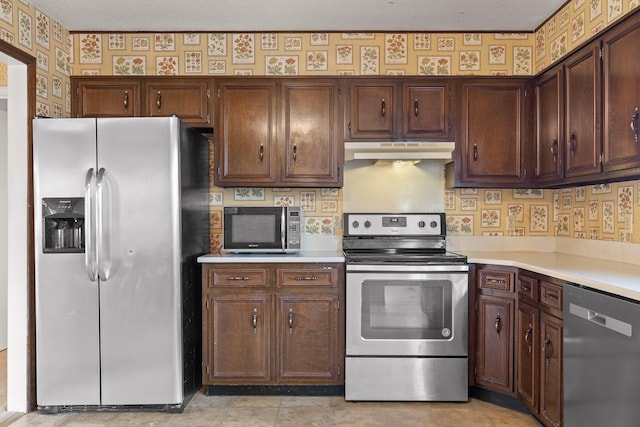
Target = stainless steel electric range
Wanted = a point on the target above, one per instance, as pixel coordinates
(406, 309)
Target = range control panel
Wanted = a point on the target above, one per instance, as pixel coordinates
(414, 224)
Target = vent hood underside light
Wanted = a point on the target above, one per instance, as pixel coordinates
(398, 150)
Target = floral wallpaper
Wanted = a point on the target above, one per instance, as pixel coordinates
(291, 54)
(599, 212)
(576, 22)
(35, 33)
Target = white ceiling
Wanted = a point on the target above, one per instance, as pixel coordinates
(300, 15)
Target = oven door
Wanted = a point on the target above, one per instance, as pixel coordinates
(414, 313)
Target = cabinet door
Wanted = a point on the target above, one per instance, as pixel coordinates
(621, 98)
(527, 353)
(549, 126)
(551, 395)
(426, 110)
(372, 109)
(493, 133)
(245, 133)
(308, 339)
(494, 359)
(312, 153)
(106, 98)
(186, 98)
(583, 114)
(236, 339)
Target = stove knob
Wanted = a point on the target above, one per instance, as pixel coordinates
(421, 224)
(367, 224)
(433, 224)
(355, 224)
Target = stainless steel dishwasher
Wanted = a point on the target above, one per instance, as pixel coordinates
(601, 342)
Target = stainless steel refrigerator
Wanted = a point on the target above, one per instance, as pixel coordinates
(120, 217)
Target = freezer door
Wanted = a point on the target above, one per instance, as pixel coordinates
(67, 344)
(140, 310)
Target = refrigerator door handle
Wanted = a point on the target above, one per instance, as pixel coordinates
(100, 236)
(90, 260)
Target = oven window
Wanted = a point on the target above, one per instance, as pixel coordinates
(406, 309)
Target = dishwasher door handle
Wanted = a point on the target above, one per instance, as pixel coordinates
(608, 322)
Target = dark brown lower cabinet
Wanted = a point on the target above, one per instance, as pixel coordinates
(527, 373)
(494, 360)
(273, 324)
(551, 370)
(539, 348)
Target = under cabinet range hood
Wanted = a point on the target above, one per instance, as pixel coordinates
(402, 150)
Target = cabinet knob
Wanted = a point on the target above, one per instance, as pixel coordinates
(554, 149)
(573, 143)
(254, 320)
(548, 351)
(290, 321)
(634, 124)
(527, 336)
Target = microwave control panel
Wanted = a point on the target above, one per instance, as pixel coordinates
(293, 228)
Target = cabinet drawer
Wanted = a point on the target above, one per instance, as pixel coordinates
(249, 277)
(496, 279)
(527, 287)
(317, 276)
(550, 295)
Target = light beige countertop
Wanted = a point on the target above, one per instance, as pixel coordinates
(303, 256)
(615, 277)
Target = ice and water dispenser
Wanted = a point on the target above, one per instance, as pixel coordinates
(63, 225)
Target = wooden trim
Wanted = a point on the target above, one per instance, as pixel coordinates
(30, 62)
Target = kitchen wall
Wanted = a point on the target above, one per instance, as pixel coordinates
(32, 31)
(601, 212)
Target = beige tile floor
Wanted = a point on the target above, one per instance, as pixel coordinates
(250, 411)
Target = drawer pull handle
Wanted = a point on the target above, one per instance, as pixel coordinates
(475, 152)
(525, 288)
(550, 296)
(255, 320)
(291, 321)
(159, 100)
(125, 100)
(238, 278)
(295, 153)
(306, 278)
(415, 107)
(495, 281)
(527, 336)
(383, 108)
(554, 149)
(261, 152)
(498, 325)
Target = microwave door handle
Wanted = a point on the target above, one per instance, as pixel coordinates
(89, 247)
(283, 229)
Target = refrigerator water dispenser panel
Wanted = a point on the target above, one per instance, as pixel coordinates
(63, 225)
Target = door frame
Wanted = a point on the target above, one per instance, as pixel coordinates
(30, 63)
